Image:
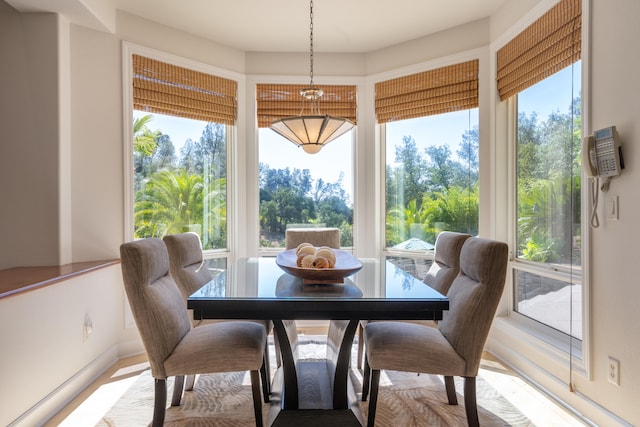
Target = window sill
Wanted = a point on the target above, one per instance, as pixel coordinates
(526, 342)
(18, 280)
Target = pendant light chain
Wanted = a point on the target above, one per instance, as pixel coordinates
(311, 42)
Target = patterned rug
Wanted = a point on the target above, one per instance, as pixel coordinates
(405, 399)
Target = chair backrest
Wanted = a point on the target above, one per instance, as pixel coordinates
(316, 236)
(156, 303)
(446, 262)
(186, 263)
(473, 298)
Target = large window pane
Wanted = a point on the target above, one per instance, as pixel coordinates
(301, 189)
(548, 198)
(431, 184)
(180, 178)
(431, 178)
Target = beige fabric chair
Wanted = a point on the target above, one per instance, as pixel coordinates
(187, 267)
(445, 268)
(173, 347)
(455, 347)
(316, 236)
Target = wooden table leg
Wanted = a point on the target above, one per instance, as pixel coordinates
(287, 338)
(339, 343)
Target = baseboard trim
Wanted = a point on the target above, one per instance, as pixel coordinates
(55, 401)
(553, 387)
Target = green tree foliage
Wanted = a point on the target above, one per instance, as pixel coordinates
(292, 196)
(168, 203)
(548, 170)
(432, 191)
(174, 194)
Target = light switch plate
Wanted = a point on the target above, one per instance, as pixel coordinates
(612, 208)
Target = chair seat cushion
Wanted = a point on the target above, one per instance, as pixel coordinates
(430, 323)
(409, 347)
(268, 324)
(218, 347)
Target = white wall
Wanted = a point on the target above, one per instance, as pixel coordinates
(44, 350)
(615, 91)
(29, 160)
(96, 139)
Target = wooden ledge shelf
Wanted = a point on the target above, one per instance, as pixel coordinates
(18, 280)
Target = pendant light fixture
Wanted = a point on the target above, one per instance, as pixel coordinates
(311, 131)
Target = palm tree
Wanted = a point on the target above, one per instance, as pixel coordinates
(144, 140)
(169, 202)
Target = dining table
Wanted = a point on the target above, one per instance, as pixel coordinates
(315, 392)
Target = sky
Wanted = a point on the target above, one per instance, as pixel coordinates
(553, 91)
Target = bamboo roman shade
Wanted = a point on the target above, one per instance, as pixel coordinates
(277, 101)
(438, 91)
(547, 46)
(164, 88)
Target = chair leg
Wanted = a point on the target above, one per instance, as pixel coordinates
(265, 378)
(360, 345)
(178, 385)
(257, 401)
(451, 390)
(470, 401)
(159, 402)
(366, 379)
(190, 382)
(373, 400)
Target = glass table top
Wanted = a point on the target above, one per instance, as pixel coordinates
(258, 288)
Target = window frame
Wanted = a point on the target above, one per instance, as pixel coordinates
(232, 131)
(249, 244)
(555, 344)
(515, 338)
(380, 139)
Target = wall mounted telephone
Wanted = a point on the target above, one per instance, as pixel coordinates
(602, 153)
(601, 158)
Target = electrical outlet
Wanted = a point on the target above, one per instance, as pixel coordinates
(614, 371)
(87, 327)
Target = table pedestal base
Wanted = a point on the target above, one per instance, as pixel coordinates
(314, 392)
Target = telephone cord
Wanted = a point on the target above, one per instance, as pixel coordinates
(595, 222)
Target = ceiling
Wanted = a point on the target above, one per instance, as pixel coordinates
(349, 26)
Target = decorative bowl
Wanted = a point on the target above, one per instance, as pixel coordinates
(346, 265)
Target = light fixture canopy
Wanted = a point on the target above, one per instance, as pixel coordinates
(311, 131)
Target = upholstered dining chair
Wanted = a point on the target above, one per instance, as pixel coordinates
(187, 267)
(316, 236)
(455, 347)
(173, 346)
(443, 269)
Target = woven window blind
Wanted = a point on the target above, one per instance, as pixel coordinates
(438, 91)
(277, 101)
(164, 88)
(547, 46)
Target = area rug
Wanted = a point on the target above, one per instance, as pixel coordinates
(405, 400)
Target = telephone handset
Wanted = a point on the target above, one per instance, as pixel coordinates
(601, 157)
(601, 153)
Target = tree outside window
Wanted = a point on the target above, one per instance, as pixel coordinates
(180, 190)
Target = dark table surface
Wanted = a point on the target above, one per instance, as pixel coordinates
(258, 288)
